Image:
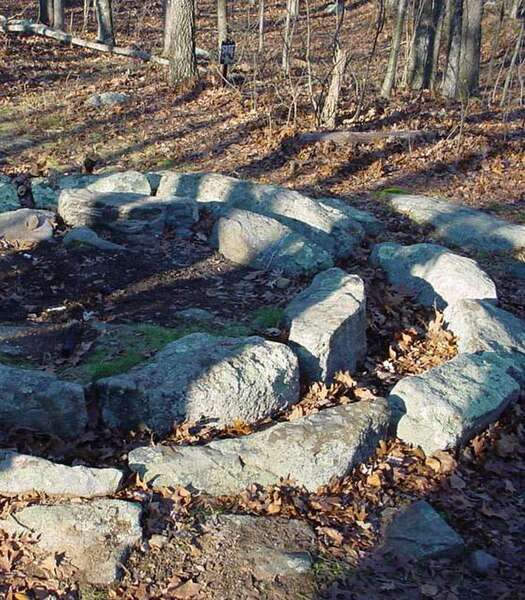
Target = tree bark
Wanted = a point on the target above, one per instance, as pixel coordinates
(179, 40)
(329, 111)
(391, 70)
(450, 86)
(470, 48)
(44, 12)
(421, 57)
(58, 15)
(222, 22)
(105, 32)
(292, 12)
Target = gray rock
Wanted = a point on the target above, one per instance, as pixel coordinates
(482, 562)
(248, 238)
(8, 195)
(432, 274)
(198, 315)
(419, 533)
(131, 182)
(459, 225)
(218, 378)
(95, 537)
(327, 323)
(449, 404)
(480, 326)
(124, 212)
(45, 195)
(26, 225)
(83, 236)
(370, 223)
(310, 450)
(40, 401)
(107, 99)
(335, 230)
(21, 474)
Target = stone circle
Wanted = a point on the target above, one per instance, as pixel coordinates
(225, 380)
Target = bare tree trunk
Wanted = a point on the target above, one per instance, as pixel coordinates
(513, 61)
(292, 12)
(391, 70)
(58, 15)
(329, 111)
(421, 57)
(105, 33)
(450, 84)
(45, 11)
(439, 19)
(222, 22)
(261, 26)
(470, 48)
(179, 40)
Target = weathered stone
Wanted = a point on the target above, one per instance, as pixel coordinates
(123, 182)
(310, 450)
(432, 274)
(21, 474)
(449, 404)
(335, 230)
(45, 196)
(36, 400)
(107, 99)
(95, 537)
(198, 315)
(417, 532)
(460, 225)
(83, 236)
(480, 326)
(327, 323)
(269, 547)
(26, 225)
(249, 238)
(8, 195)
(201, 376)
(125, 212)
(482, 562)
(370, 223)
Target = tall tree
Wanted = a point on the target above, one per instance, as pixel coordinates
(44, 14)
(391, 70)
(420, 72)
(292, 12)
(222, 22)
(179, 39)
(105, 32)
(449, 86)
(51, 12)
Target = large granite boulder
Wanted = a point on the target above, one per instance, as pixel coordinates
(460, 225)
(432, 274)
(36, 400)
(127, 213)
(324, 223)
(481, 326)
(26, 225)
(248, 238)
(8, 195)
(94, 538)
(310, 450)
(448, 405)
(200, 376)
(327, 323)
(21, 474)
(417, 533)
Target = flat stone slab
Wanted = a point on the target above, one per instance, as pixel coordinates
(431, 274)
(21, 474)
(448, 405)
(95, 538)
(480, 326)
(310, 450)
(220, 379)
(418, 533)
(248, 238)
(36, 400)
(460, 225)
(324, 222)
(327, 323)
(127, 213)
(26, 225)
(107, 99)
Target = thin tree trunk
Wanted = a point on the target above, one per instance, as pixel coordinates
(420, 70)
(180, 40)
(329, 111)
(222, 22)
(449, 87)
(292, 12)
(439, 18)
(261, 26)
(58, 15)
(514, 59)
(391, 70)
(105, 33)
(470, 48)
(44, 12)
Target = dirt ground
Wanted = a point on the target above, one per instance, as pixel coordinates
(472, 153)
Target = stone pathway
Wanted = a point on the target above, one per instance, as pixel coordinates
(231, 380)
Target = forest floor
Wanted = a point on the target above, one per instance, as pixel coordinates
(470, 153)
